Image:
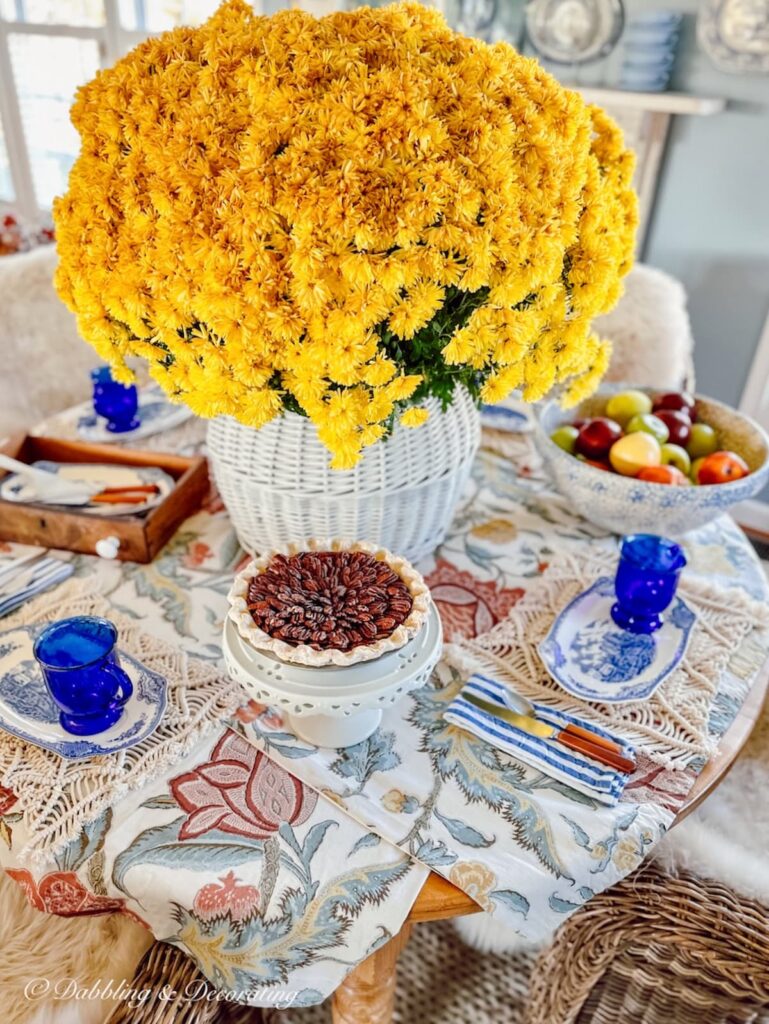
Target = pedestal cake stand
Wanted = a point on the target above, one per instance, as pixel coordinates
(332, 706)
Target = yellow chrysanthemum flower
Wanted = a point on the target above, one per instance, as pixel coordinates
(415, 417)
(332, 213)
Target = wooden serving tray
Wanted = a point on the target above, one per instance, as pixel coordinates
(141, 537)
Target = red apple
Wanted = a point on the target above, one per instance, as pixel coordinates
(721, 468)
(678, 423)
(662, 475)
(681, 401)
(595, 463)
(597, 436)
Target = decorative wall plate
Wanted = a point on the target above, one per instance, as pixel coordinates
(28, 711)
(735, 34)
(595, 660)
(574, 31)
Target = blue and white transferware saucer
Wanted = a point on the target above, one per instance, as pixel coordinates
(509, 416)
(155, 414)
(28, 711)
(592, 658)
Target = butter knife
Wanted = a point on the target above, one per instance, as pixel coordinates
(595, 747)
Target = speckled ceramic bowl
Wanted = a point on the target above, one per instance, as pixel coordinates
(625, 505)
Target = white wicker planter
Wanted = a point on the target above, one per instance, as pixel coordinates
(277, 485)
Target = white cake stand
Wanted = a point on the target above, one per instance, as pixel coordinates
(332, 706)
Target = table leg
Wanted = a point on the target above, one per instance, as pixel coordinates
(367, 995)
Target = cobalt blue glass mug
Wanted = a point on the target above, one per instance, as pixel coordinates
(116, 402)
(82, 671)
(646, 581)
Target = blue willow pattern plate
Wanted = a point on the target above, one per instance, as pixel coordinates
(155, 414)
(28, 711)
(592, 658)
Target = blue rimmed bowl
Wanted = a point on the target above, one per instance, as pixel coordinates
(623, 504)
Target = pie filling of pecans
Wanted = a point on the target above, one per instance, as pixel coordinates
(329, 600)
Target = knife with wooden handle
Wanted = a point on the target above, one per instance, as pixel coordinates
(573, 736)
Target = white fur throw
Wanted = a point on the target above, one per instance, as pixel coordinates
(651, 332)
(45, 363)
(56, 951)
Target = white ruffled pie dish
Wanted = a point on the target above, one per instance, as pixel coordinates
(304, 654)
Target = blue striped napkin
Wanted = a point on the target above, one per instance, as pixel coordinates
(47, 573)
(595, 780)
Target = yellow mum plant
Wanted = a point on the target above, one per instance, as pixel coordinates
(342, 217)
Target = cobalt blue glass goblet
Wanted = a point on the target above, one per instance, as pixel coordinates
(646, 581)
(116, 402)
(82, 671)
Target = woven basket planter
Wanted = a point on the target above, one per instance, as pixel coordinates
(277, 484)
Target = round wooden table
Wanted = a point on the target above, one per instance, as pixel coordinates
(367, 995)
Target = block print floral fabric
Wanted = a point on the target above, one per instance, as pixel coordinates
(527, 848)
(274, 891)
(274, 885)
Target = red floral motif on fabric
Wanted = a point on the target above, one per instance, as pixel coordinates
(62, 893)
(468, 606)
(7, 800)
(240, 791)
(249, 712)
(197, 553)
(226, 897)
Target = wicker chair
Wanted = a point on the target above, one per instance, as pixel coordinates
(170, 976)
(657, 949)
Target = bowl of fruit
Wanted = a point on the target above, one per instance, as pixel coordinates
(639, 460)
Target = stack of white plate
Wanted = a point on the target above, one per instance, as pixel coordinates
(650, 43)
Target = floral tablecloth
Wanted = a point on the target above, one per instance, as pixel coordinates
(272, 888)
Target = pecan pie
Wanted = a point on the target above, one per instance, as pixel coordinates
(329, 604)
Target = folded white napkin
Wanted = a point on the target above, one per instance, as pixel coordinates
(577, 770)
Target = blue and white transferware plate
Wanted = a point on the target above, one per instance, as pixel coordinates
(592, 658)
(155, 414)
(28, 711)
(509, 416)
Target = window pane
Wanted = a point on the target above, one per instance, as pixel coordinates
(160, 15)
(6, 185)
(62, 12)
(47, 70)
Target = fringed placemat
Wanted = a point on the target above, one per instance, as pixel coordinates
(57, 796)
(672, 726)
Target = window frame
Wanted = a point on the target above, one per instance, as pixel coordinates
(112, 41)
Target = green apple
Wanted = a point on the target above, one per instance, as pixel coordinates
(675, 455)
(623, 406)
(703, 440)
(565, 437)
(648, 423)
(694, 471)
